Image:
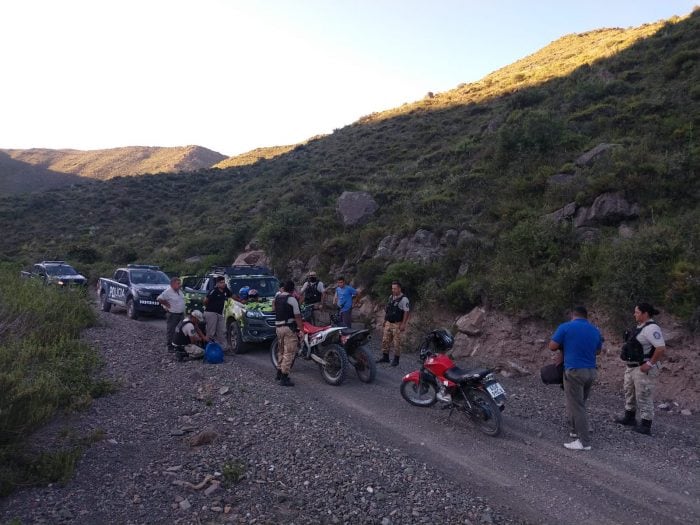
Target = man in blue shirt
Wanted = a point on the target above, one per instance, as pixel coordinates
(344, 295)
(580, 342)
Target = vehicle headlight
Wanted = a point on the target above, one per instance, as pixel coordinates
(61, 283)
(254, 314)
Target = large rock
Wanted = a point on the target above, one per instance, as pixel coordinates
(253, 257)
(592, 154)
(472, 323)
(563, 214)
(607, 209)
(422, 247)
(356, 207)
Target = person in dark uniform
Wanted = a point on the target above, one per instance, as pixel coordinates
(214, 304)
(288, 322)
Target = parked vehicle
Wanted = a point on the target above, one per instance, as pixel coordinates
(58, 273)
(136, 288)
(474, 393)
(245, 322)
(355, 343)
(320, 344)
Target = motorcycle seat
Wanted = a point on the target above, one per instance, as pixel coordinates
(461, 375)
(311, 329)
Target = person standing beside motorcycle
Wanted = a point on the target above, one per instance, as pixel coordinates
(640, 377)
(582, 342)
(312, 294)
(396, 317)
(288, 322)
(344, 298)
(214, 304)
(173, 300)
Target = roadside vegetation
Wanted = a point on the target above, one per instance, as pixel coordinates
(44, 368)
(479, 158)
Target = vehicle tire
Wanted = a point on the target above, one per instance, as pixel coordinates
(422, 394)
(364, 364)
(131, 309)
(337, 362)
(234, 337)
(487, 414)
(273, 353)
(105, 305)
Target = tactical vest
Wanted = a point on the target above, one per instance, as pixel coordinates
(311, 294)
(632, 350)
(284, 313)
(180, 338)
(394, 314)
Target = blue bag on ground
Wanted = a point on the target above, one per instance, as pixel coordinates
(213, 353)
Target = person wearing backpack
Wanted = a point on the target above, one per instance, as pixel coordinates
(396, 316)
(643, 349)
(312, 294)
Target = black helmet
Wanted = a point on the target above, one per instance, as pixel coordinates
(443, 339)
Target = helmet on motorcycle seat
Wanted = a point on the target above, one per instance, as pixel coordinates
(443, 339)
(243, 292)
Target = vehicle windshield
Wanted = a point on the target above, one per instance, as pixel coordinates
(267, 287)
(149, 277)
(61, 269)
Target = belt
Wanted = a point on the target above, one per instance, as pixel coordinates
(634, 365)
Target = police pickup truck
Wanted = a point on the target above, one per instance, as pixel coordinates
(246, 322)
(57, 273)
(135, 288)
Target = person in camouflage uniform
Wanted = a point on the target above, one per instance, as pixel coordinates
(640, 378)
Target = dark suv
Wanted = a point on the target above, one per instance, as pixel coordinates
(58, 273)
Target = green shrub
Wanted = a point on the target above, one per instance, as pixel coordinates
(411, 275)
(462, 295)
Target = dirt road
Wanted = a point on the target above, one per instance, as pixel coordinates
(350, 454)
(626, 478)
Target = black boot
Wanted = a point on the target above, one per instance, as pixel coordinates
(383, 359)
(644, 427)
(279, 375)
(395, 362)
(285, 381)
(628, 419)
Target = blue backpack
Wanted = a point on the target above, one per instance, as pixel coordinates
(213, 353)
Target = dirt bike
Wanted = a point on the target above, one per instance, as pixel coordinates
(319, 344)
(354, 341)
(475, 392)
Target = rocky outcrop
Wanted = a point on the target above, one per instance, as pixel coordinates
(423, 247)
(253, 257)
(592, 154)
(355, 207)
(472, 323)
(563, 214)
(607, 209)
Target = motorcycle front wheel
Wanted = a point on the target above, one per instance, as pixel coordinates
(485, 412)
(273, 353)
(336, 359)
(421, 394)
(364, 365)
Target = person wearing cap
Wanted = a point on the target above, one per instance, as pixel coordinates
(173, 300)
(214, 304)
(188, 337)
(243, 294)
(640, 378)
(312, 294)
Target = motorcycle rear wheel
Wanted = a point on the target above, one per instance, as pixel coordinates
(364, 365)
(485, 414)
(421, 394)
(333, 371)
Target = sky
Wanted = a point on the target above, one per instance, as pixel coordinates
(233, 75)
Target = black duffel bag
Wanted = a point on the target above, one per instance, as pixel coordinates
(552, 374)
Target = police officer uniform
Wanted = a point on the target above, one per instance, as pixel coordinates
(286, 311)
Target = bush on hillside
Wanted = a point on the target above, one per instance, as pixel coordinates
(411, 275)
(461, 295)
(44, 367)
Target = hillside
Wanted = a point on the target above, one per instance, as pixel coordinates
(97, 164)
(253, 156)
(571, 175)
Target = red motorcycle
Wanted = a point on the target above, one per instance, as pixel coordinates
(474, 392)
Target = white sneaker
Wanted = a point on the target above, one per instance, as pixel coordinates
(576, 445)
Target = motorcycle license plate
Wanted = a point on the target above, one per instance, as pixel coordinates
(495, 389)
